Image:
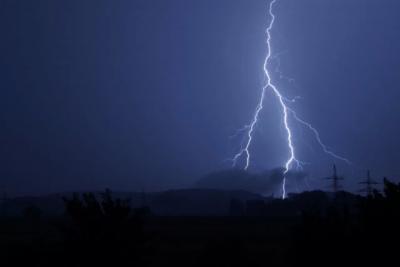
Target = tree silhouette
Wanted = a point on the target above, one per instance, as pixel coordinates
(104, 231)
(364, 238)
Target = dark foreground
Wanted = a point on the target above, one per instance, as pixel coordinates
(107, 232)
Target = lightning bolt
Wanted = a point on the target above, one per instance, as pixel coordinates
(286, 111)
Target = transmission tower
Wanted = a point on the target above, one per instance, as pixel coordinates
(335, 180)
(369, 184)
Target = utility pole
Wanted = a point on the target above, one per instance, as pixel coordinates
(335, 180)
(369, 184)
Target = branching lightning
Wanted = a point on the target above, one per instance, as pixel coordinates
(318, 138)
(286, 112)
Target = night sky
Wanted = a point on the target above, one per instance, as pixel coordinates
(146, 94)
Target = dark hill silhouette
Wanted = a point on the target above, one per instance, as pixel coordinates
(198, 201)
(265, 183)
